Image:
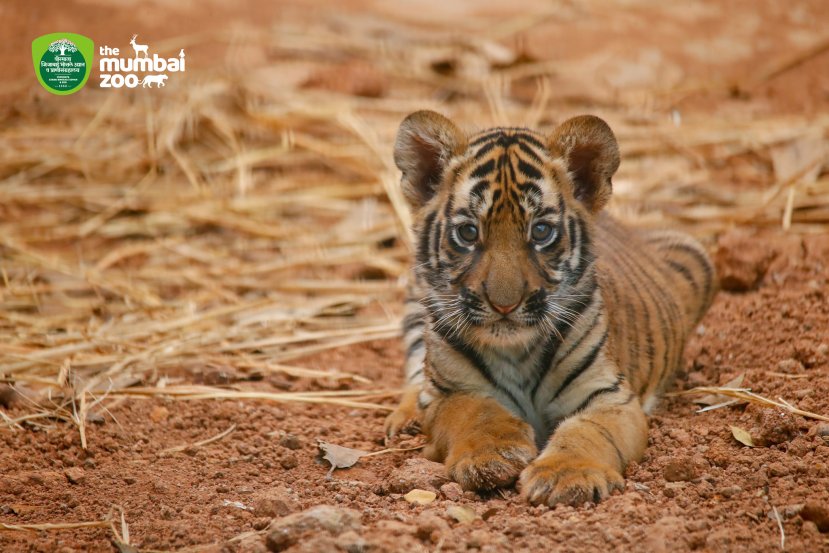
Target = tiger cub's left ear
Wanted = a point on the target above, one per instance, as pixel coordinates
(589, 148)
(425, 143)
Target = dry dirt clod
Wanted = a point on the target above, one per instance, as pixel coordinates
(683, 469)
(277, 502)
(291, 441)
(741, 262)
(416, 472)
(452, 491)
(75, 475)
(773, 427)
(159, 414)
(285, 532)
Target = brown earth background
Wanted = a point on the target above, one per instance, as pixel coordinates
(160, 246)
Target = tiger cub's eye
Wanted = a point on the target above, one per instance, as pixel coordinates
(468, 233)
(541, 232)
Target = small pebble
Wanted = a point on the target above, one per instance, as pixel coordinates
(75, 475)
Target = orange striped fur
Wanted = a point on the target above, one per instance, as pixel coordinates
(538, 330)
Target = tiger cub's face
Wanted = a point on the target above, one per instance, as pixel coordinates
(502, 222)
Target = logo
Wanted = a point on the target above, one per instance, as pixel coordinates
(118, 71)
(62, 61)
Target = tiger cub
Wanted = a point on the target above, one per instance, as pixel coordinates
(538, 330)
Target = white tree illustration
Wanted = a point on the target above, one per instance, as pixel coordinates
(63, 45)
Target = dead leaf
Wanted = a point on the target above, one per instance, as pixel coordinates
(420, 497)
(742, 436)
(461, 513)
(340, 457)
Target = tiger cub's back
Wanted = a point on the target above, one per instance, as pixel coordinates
(656, 285)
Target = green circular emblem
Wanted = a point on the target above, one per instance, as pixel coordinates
(62, 66)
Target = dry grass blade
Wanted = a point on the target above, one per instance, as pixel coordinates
(346, 398)
(746, 394)
(56, 526)
(779, 520)
(198, 444)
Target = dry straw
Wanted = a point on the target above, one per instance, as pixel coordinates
(247, 221)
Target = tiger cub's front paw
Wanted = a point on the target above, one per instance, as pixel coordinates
(489, 462)
(573, 480)
(405, 416)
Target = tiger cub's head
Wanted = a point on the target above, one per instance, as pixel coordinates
(502, 221)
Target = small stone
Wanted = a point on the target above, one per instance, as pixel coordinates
(818, 514)
(790, 366)
(291, 441)
(420, 497)
(822, 432)
(129, 480)
(285, 532)
(159, 414)
(452, 491)
(75, 475)
(261, 523)
(8, 395)
(778, 469)
(289, 461)
(461, 513)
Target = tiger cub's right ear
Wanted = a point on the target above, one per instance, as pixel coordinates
(425, 142)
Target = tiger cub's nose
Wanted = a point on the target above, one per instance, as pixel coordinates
(505, 309)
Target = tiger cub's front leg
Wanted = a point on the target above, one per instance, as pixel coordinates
(587, 455)
(482, 444)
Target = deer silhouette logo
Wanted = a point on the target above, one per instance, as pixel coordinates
(139, 47)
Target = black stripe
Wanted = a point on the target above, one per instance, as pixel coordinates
(440, 387)
(529, 152)
(685, 273)
(485, 149)
(526, 137)
(544, 364)
(483, 170)
(412, 320)
(593, 324)
(703, 261)
(479, 190)
(615, 387)
(423, 243)
(529, 170)
(417, 344)
(585, 363)
(488, 135)
(436, 240)
(609, 437)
